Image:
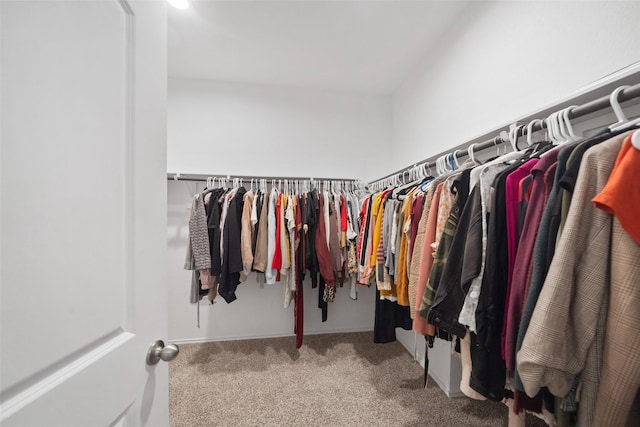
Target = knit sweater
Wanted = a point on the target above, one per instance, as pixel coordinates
(199, 235)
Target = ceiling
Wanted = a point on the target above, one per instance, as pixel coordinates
(358, 46)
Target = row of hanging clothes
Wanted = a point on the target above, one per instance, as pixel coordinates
(529, 262)
(295, 228)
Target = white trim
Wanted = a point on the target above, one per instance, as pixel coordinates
(257, 337)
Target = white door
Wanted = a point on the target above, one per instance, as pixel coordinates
(83, 212)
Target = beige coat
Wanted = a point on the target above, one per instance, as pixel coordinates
(566, 336)
(246, 232)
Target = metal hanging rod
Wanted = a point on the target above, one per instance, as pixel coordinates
(202, 177)
(575, 112)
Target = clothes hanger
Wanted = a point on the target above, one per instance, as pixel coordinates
(455, 159)
(471, 153)
(534, 148)
(562, 128)
(426, 177)
(496, 140)
(514, 132)
(623, 122)
(412, 183)
(565, 116)
(530, 130)
(562, 131)
(439, 166)
(551, 129)
(617, 109)
(635, 140)
(448, 163)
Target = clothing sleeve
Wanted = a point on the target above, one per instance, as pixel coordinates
(234, 221)
(189, 262)
(324, 256)
(564, 322)
(247, 212)
(343, 214)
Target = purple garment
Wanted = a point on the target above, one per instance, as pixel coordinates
(512, 190)
(515, 303)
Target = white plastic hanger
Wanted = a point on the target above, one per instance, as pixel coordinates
(471, 153)
(560, 136)
(551, 128)
(635, 139)
(495, 143)
(617, 109)
(530, 131)
(446, 166)
(557, 122)
(623, 123)
(564, 130)
(567, 122)
(513, 135)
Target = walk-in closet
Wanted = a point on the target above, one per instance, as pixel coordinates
(320, 213)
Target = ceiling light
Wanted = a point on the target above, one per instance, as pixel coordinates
(179, 4)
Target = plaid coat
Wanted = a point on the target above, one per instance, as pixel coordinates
(566, 336)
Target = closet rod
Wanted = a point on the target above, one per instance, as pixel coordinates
(202, 177)
(598, 104)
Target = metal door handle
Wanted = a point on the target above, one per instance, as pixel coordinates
(158, 351)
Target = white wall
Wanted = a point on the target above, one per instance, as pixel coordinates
(280, 130)
(503, 60)
(258, 312)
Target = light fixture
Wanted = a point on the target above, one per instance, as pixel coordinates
(179, 4)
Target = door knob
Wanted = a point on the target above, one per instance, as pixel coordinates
(158, 351)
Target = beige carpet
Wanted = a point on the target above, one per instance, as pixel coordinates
(333, 380)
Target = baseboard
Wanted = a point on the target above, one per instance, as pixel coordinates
(442, 386)
(257, 337)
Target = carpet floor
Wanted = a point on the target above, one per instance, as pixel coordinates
(333, 380)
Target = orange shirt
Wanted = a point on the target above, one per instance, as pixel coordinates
(621, 194)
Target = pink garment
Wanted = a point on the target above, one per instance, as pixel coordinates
(524, 257)
(420, 324)
(512, 189)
